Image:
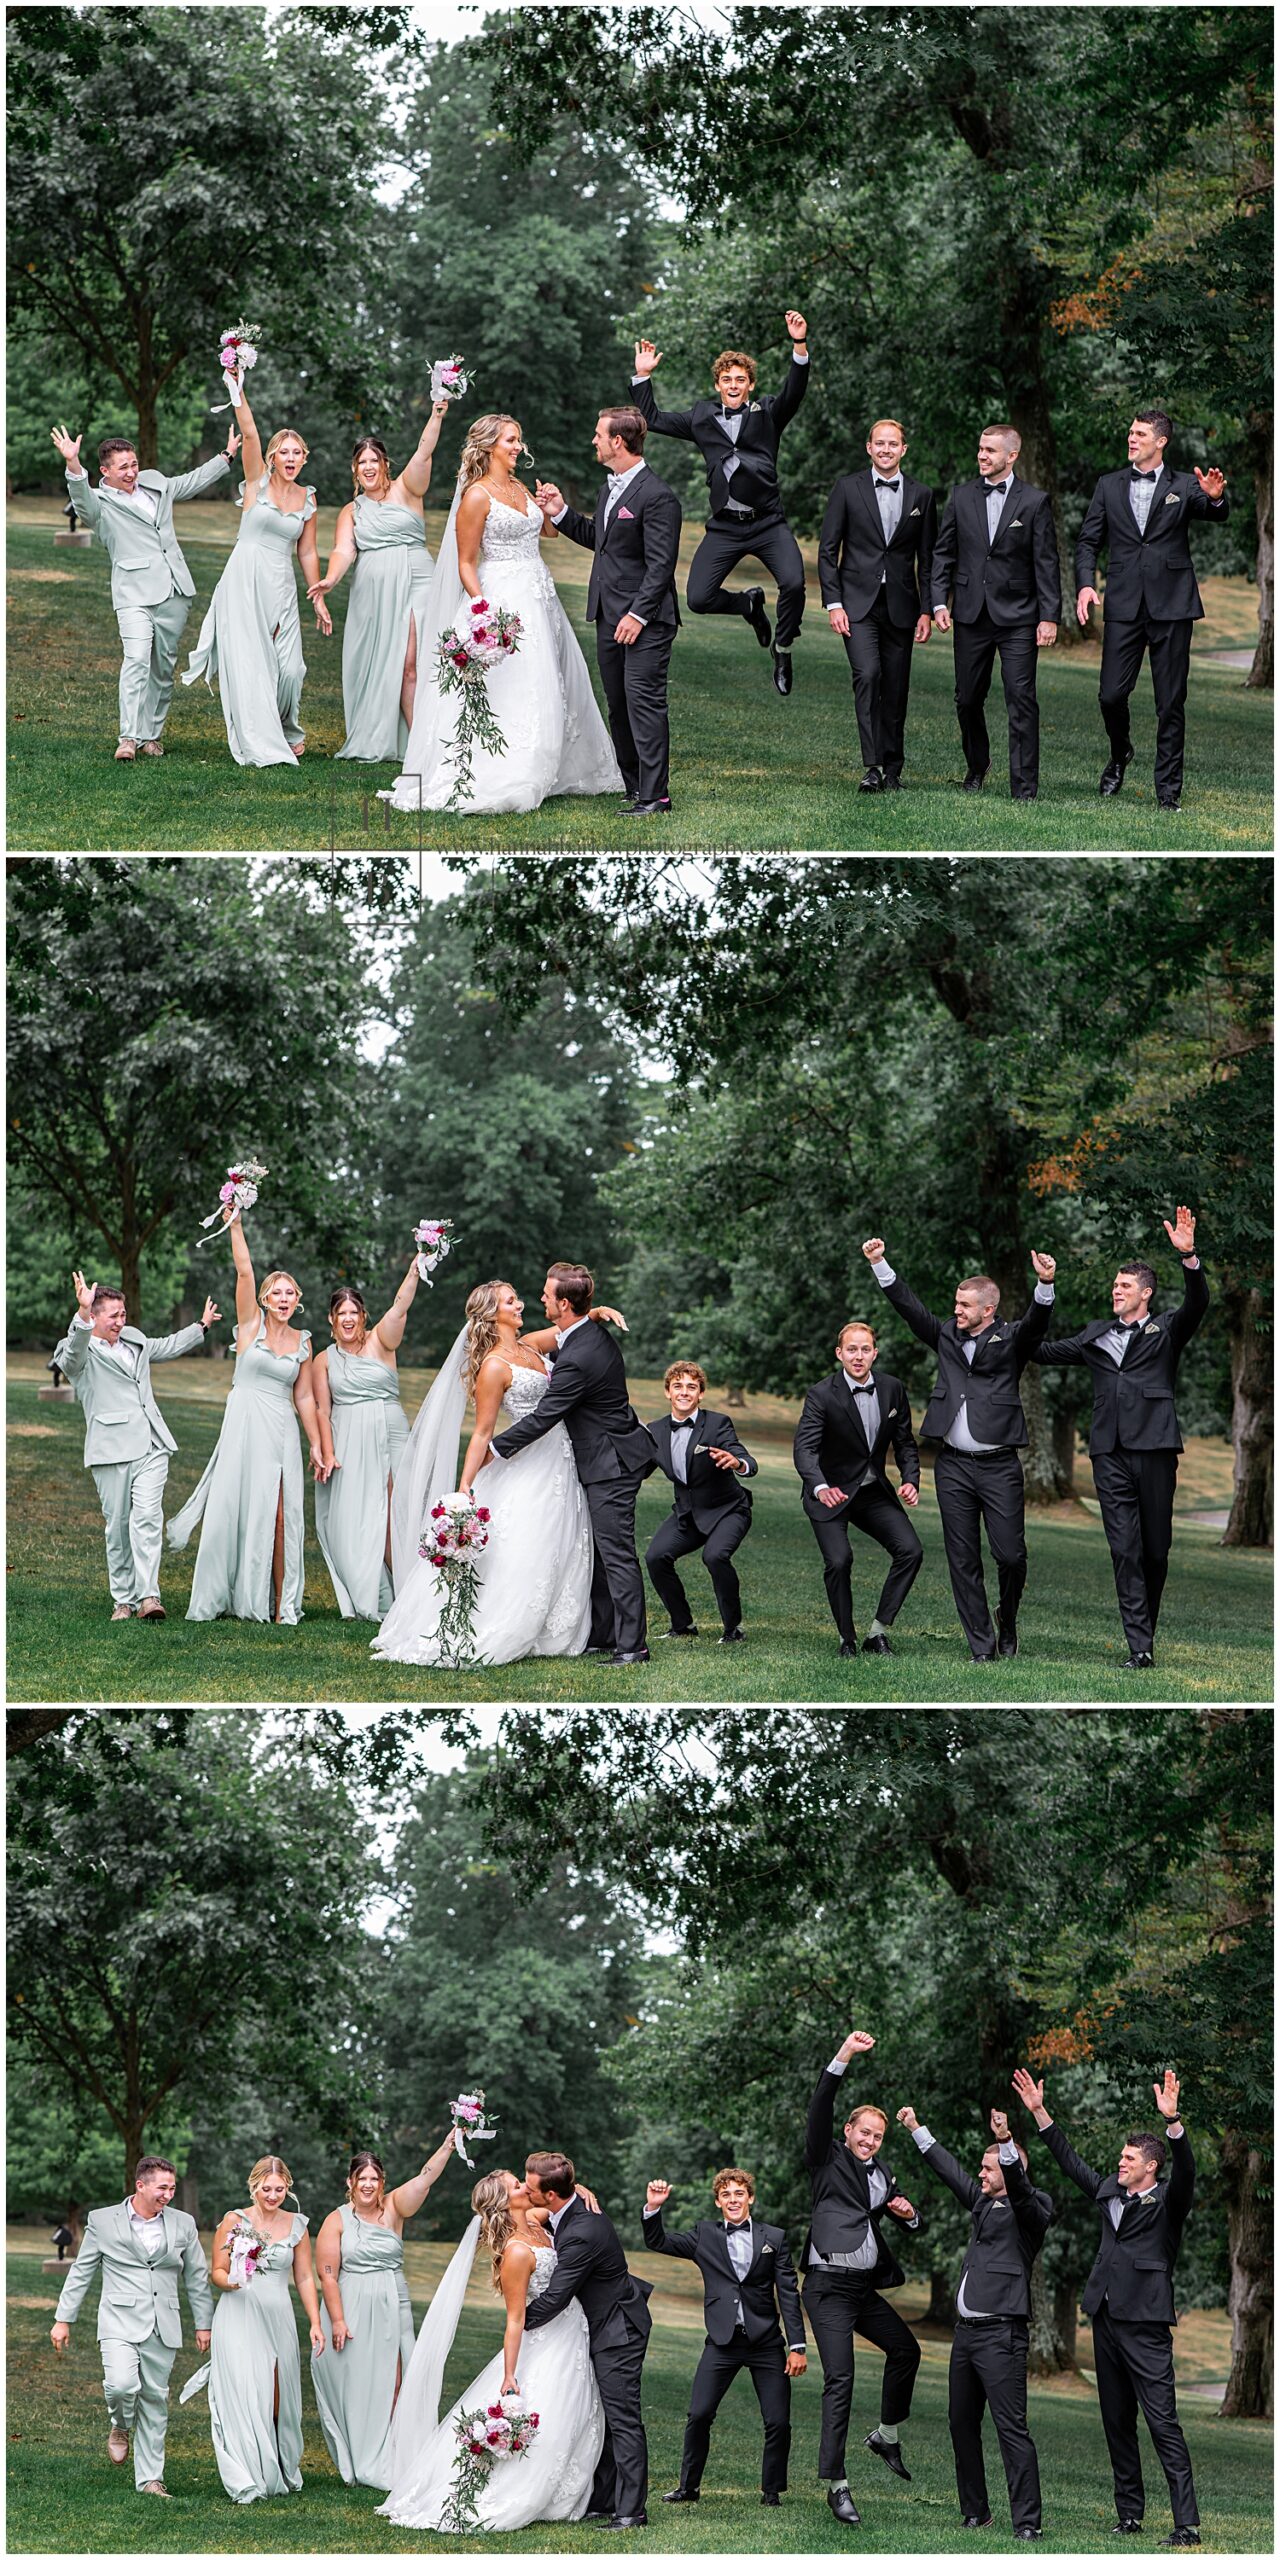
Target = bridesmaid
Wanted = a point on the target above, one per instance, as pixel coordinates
(384, 532)
(255, 2378)
(252, 636)
(365, 2316)
(250, 1495)
(364, 1431)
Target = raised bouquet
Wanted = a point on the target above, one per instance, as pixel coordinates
(456, 1532)
(471, 2123)
(450, 379)
(463, 660)
(237, 355)
(485, 2436)
(238, 1192)
(434, 1240)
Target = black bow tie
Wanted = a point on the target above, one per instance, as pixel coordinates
(690, 1424)
(997, 488)
(1146, 475)
(863, 1386)
(895, 485)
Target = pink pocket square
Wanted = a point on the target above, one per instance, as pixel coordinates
(626, 511)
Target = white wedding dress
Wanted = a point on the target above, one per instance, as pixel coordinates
(541, 697)
(550, 2484)
(535, 1574)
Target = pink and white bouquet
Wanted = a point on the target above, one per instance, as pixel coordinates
(500, 2433)
(238, 1192)
(456, 1532)
(237, 355)
(450, 379)
(248, 2249)
(471, 2123)
(434, 1239)
(464, 656)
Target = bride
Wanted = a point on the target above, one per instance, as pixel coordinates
(535, 1573)
(541, 696)
(551, 2483)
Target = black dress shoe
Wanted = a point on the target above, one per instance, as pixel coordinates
(1113, 774)
(770, 2498)
(973, 2524)
(597, 2515)
(1024, 795)
(625, 2524)
(1184, 2541)
(623, 1661)
(1006, 1638)
(678, 1631)
(649, 809)
(733, 1635)
(680, 2497)
(891, 782)
(1172, 802)
(849, 1651)
(782, 675)
(872, 780)
(1141, 1662)
(842, 2507)
(974, 781)
(1128, 2524)
(1029, 2533)
(753, 607)
(888, 2452)
(876, 1644)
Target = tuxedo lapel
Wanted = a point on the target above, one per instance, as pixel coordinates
(865, 484)
(1012, 499)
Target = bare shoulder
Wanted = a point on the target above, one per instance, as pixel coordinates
(495, 1364)
(473, 504)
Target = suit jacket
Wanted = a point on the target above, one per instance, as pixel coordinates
(139, 2293)
(830, 1446)
(146, 562)
(841, 2194)
(755, 482)
(588, 1394)
(634, 567)
(122, 1418)
(853, 556)
(1133, 2270)
(591, 2268)
(710, 1490)
(1017, 576)
(1133, 1405)
(1007, 2237)
(1147, 572)
(989, 1384)
(767, 2293)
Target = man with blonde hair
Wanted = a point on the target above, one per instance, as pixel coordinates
(847, 2264)
(749, 2287)
(708, 1467)
(875, 561)
(996, 558)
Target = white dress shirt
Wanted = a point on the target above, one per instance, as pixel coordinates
(997, 492)
(149, 2234)
(1142, 496)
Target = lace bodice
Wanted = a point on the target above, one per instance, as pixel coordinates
(509, 550)
(540, 2274)
(525, 1393)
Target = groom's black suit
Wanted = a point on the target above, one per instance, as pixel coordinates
(591, 2268)
(636, 546)
(612, 1452)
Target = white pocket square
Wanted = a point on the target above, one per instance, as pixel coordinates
(767, 2249)
(891, 1412)
(1171, 502)
(1014, 523)
(915, 511)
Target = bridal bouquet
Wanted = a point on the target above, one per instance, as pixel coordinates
(238, 1192)
(434, 1239)
(237, 354)
(248, 2249)
(457, 1530)
(463, 659)
(485, 2436)
(450, 379)
(471, 2123)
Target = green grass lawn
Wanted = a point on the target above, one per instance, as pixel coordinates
(1215, 1633)
(748, 769)
(64, 2495)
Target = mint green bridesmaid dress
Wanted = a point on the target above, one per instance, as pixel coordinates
(251, 637)
(370, 1435)
(258, 1454)
(392, 576)
(254, 2339)
(356, 2389)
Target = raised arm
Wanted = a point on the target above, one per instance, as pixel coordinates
(819, 2129)
(664, 422)
(246, 1293)
(796, 381)
(1031, 2093)
(545, 1337)
(924, 1324)
(389, 1328)
(329, 2263)
(672, 2244)
(940, 2160)
(1182, 2167)
(253, 463)
(1195, 1288)
(192, 484)
(343, 553)
(1032, 2210)
(82, 489)
(729, 1454)
(416, 474)
(491, 1385)
(410, 2198)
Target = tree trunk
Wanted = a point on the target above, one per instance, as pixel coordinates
(1066, 2312)
(1064, 1449)
(1022, 324)
(1262, 673)
(942, 2300)
(1045, 1478)
(1251, 2299)
(1252, 1429)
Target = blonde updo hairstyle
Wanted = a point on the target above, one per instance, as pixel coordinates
(491, 2199)
(482, 1329)
(270, 2165)
(271, 1277)
(482, 436)
(279, 438)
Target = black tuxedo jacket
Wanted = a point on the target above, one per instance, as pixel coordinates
(830, 1446)
(711, 1490)
(1007, 2237)
(755, 482)
(853, 555)
(1151, 572)
(1133, 1405)
(634, 567)
(841, 2196)
(588, 1394)
(1133, 2270)
(989, 1384)
(768, 2292)
(1017, 577)
(591, 2268)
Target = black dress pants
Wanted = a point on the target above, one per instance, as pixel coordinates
(725, 543)
(1135, 1492)
(1169, 647)
(879, 1515)
(879, 655)
(989, 2371)
(635, 689)
(617, 1584)
(1133, 2361)
(974, 1493)
(838, 2305)
(976, 644)
(681, 1536)
(766, 2363)
(621, 2483)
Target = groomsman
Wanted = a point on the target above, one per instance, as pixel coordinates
(131, 512)
(708, 1466)
(988, 2367)
(1129, 2299)
(976, 1413)
(127, 1443)
(841, 1447)
(635, 538)
(1134, 1439)
(874, 563)
(749, 2285)
(847, 2263)
(140, 2245)
(997, 555)
(738, 437)
(1141, 516)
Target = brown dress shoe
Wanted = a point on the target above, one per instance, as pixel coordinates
(151, 1609)
(118, 2445)
(126, 751)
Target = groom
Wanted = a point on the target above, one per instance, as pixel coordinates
(612, 1452)
(591, 2268)
(635, 538)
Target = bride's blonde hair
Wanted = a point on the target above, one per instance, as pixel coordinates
(477, 452)
(491, 2199)
(482, 1328)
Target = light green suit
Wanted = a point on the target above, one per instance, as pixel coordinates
(139, 2319)
(128, 1445)
(151, 585)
